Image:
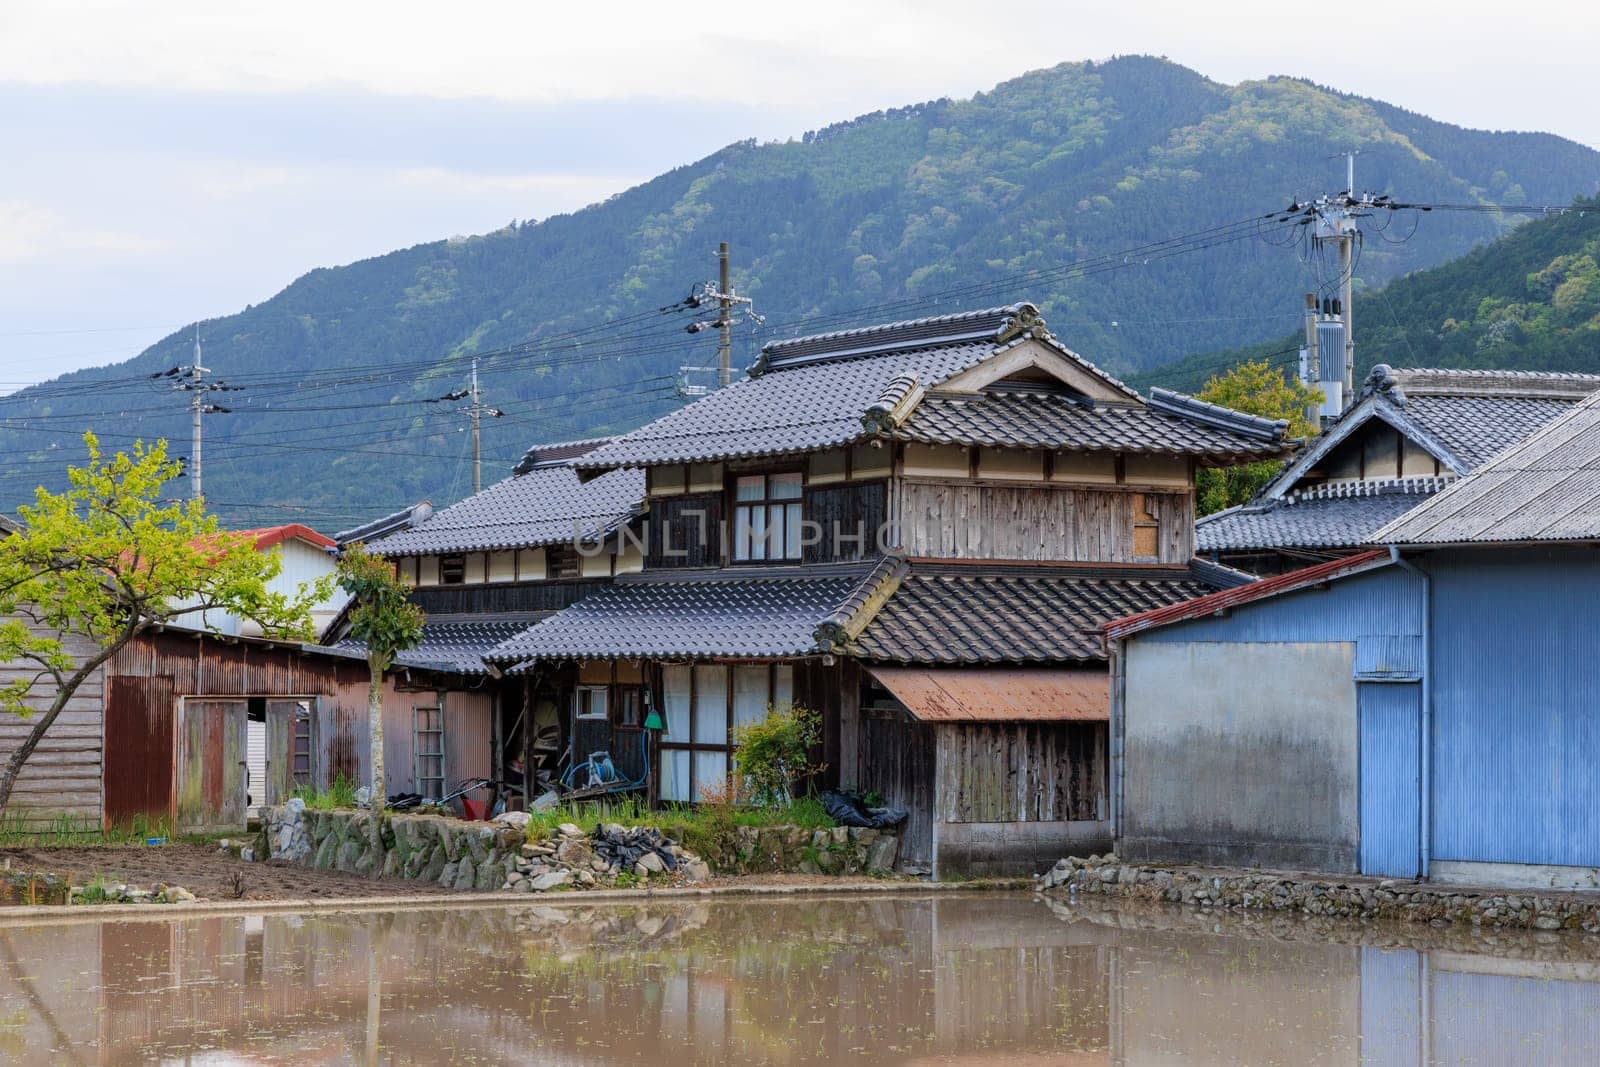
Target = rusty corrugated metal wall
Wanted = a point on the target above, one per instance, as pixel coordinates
(151, 678)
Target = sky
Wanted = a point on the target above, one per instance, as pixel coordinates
(173, 160)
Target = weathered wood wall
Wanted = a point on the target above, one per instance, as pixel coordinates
(491, 599)
(1021, 772)
(63, 776)
(898, 761)
(849, 516)
(690, 526)
(954, 520)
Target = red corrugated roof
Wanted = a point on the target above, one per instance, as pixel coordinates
(1244, 594)
(957, 694)
(267, 536)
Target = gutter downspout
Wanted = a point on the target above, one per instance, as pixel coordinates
(1115, 738)
(1425, 742)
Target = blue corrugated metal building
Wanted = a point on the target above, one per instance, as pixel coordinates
(1430, 708)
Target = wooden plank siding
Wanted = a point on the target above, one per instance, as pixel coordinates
(898, 758)
(1021, 772)
(849, 517)
(689, 526)
(63, 776)
(965, 520)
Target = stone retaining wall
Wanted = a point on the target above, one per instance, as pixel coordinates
(1312, 895)
(498, 855)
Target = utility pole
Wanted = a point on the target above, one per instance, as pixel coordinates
(1334, 218)
(477, 410)
(196, 410)
(727, 298)
(192, 379)
(724, 317)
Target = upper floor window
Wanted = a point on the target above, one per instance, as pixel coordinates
(1146, 528)
(452, 570)
(766, 516)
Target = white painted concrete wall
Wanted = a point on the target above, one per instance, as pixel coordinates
(1263, 773)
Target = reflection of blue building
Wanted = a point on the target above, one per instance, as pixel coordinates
(1428, 708)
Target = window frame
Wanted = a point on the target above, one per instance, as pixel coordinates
(1144, 518)
(764, 505)
(626, 695)
(589, 689)
(456, 561)
(666, 744)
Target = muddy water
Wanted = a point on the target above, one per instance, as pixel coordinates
(908, 979)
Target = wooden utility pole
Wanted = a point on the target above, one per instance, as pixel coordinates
(724, 317)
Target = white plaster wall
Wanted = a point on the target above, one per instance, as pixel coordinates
(1241, 753)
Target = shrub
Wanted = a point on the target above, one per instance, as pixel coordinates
(775, 753)
(340, 794)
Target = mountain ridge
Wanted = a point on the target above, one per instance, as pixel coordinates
(913, 210)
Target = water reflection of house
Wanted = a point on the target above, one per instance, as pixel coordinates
(1428, 708)
(1410, 434)
(914, 529)
(948, 979)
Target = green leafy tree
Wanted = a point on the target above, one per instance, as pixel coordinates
(384, 618)
(774, 753)
(1257, 388)
(107, 559)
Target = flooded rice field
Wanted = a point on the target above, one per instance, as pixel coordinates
(908, 979)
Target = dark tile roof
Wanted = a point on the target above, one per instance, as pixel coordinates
(1337, 515)
(725, 613)
(813, 392)
(1016, 419)
(1476, 428)
(455, 643)
(1545, 489)
(403, 519)
(547, 505)
(559, 452)
(795, 410)
(978, 613)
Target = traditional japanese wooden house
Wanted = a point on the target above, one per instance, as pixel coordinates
(914, 529)
(484, 570)
(1408, 436)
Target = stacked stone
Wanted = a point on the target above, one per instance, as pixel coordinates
(500, 855)
(574, 858)
(1310, 895)
(841, 850)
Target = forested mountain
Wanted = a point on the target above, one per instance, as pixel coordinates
(1529, 301)
(1024, 192)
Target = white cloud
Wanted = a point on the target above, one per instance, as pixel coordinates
(29, 231)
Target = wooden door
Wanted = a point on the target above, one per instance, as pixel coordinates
(290, 750)
(138, 749)
(211, 765)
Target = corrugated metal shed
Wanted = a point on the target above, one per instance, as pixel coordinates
(999, 695)
(1545, 489)
(1221, 602)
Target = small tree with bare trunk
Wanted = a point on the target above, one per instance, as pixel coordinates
(108, 559)
(384, 618)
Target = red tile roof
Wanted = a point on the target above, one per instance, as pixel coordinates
(267, 536)
(1245, 594)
